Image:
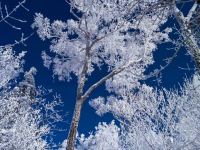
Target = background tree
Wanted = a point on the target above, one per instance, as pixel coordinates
(27, 119)
(188, 23)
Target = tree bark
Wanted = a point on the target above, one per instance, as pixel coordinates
(74, 125)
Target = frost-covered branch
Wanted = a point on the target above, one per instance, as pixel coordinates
(110, 75)
(6, 15)
(17, 42)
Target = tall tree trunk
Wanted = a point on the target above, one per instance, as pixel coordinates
(79, 100)
(74, 125)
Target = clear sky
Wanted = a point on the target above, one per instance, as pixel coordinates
(59, 10)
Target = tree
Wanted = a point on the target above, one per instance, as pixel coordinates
(114, 34)
(149, 119)
(118, 35)
(19, 123)
(25, 118)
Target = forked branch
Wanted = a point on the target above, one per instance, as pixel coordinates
(6, 15)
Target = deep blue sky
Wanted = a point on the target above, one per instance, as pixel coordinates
(59, 10)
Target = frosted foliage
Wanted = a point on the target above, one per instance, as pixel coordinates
(10, 65)
(151, 119)
(129, 104)
(124, 109)
(63, 145)
(99, 105)
(138, 140)
(196, 82)
(19, 123)
(109, 31)
(47, 60)
(106, 137)
(128, 79)
(43, 27)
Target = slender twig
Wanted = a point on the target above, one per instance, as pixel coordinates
(5, 14)
(21, 41)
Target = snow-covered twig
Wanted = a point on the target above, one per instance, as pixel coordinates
(5, 14)
(21, 41)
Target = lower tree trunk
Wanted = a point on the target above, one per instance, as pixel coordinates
(74, 125)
